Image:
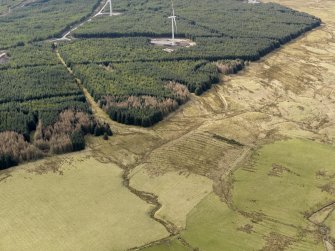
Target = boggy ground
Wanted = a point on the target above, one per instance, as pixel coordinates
(188, 161)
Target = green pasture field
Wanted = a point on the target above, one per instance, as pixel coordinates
(272, 198)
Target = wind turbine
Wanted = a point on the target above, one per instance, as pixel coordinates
(102, 10)
(173, 23)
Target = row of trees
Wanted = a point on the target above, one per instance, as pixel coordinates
(131, 116)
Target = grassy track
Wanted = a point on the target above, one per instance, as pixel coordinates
(330, 222)
(173, 245)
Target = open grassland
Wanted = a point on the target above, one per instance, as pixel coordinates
(215, 217)
(330, 223)
(290, 167)
(176, 204)
(272, 197)
(73, 202)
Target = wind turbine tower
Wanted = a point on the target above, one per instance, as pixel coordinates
(174, 24)
(110, 7)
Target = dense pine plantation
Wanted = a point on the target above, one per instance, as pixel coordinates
(39, 82)
(37, 54)
(36, 90)
(39, 95)
(209, 18)
(6, 5)
(142, 94)
(38, 19)
(42, 108)
(131, 78)
(139, 49)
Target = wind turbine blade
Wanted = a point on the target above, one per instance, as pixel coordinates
(175, 24)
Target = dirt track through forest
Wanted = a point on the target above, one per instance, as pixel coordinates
(68, 32)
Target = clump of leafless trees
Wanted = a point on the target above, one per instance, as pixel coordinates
(14, 149)
(144, 110)
(230, 67)
(65, 135)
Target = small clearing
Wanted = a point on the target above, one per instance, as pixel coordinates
(172, 43)
(3, 57)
